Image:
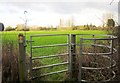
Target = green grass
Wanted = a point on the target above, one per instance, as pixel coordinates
(48, 40)
(12, 35)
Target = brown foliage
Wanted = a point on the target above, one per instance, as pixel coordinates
(9, 63)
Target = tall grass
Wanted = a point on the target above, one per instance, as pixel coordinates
(9, 63)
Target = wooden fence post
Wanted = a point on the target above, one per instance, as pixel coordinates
(21, 58)
(74, 72)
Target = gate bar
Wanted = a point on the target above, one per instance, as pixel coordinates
(80, 61)
(49, 46)
(49, 35)
(46, 66)
(50, 74)
(50, 56)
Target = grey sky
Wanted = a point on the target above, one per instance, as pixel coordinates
(49, 12)
(59, 7)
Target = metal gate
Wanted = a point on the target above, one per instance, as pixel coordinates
(43, 56)
(75, 55)
(100, 65)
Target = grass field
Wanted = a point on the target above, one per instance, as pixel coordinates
(48, 40)
(12, 35)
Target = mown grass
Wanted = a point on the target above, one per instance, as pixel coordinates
(12, 35)
(48, 40)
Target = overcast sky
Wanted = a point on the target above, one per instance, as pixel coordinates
(46, 13)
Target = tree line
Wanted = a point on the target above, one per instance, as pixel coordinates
(21, 27)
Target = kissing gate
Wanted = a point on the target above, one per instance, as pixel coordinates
(67, 57)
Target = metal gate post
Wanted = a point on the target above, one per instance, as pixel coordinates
(73, 57)
(21, 58)
(80, 61)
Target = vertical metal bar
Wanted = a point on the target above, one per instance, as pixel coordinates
(93, 42)
(111, 50)
(30, 56)
(94, 48)
(22, 59)
(69, 56)
(80, 61)
(111, 45)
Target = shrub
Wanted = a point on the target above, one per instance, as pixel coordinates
(27, 29)
(9, 28)
(9, 63)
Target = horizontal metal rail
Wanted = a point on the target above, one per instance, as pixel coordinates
(100, 53)
(92, 45)
(53, 45)
(99, 68)
(98, 45)
(47, 66)
(96, 35)
(42, 75)
(104, 35)
(84, 34)
(99, 38)
(50, 56)
(39, 35)
(109, 53)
